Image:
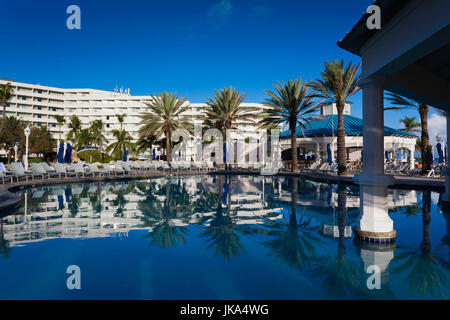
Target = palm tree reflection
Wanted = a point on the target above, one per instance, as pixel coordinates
(295, 243)
(341, 275)
(222, 231)
(162, 216)
(427, 272)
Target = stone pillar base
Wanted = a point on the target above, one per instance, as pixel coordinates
(375, 225)
(375, 237)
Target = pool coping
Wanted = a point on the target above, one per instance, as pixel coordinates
(12, 200)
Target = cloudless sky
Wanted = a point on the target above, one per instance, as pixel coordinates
(190, 47)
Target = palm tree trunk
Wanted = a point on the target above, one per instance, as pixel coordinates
(342, 211)
(4, 116)
(341, 154)
(293, 147)
(294, 195)
(426, 218)
(100, 146)
(426, 148)
(168, 149)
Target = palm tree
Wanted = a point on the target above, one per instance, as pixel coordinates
(6, 93)
(84, 138)
(400, 102)
(165, 116)
(97, 127)
(223, 111)
(410, 124)
(143, 144)
(123, 140)
(75, 128)
(291, 104)
(61, 120)
(121, 118)
(337, 84)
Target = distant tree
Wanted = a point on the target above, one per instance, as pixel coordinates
(410, 124)
(291, 104)
(40, 141)
(60, 120)
(122, 140)
(165, 115)
(6, 94)
(121, 118)
(75, 128)
(97, 128)
(85, 139)
(337, 84)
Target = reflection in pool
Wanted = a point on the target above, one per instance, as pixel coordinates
(219, 237)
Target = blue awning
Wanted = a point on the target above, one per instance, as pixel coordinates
(327, 126)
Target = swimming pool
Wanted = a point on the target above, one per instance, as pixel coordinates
(218, 237)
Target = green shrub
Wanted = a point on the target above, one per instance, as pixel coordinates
(35, 160)
(86, 155)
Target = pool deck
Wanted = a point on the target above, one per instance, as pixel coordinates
(9, 200)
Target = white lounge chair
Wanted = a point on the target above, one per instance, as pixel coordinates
(95, 170)
(19, 173)
(5, 176)
(62, 171)
(38, 169)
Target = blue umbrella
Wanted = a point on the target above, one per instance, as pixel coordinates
(225, 193)
(179, 155)
(440, 153)
(154, 155)
(68, 158)
(124, 154)
(60, 155)
(386, 154)
(224, 152)
(330, 194)
(330, 158)
(68, 193)
(60, 202)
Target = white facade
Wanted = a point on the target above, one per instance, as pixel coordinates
(37, 104)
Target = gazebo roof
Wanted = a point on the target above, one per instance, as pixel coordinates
(327, 126)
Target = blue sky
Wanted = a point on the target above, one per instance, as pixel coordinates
(190, 47)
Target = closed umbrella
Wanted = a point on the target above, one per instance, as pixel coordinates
(224, 153)
(68, 157)
(440, 153)
(124, 154)
(154, 154)
(330, 157)
(386, 155)
(60, 156)
(225, 193)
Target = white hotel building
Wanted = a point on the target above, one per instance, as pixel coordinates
(37, 104)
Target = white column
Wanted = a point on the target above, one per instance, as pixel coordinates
(373, 182)
(446, 196)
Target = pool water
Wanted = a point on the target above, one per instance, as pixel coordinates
(219, 237)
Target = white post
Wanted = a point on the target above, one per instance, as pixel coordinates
(16, 147)
(27, 134)
(445, 200)
(375, 222)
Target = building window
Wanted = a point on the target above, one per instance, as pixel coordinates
(107, 118)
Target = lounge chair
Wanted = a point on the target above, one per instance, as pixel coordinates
(39, 170)
(21, 167)
(95, 170)
(18, 172)
(5, 176)
(79, 169)
(125, 167)
(47, 167)
(112, 169)
(62, 171)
